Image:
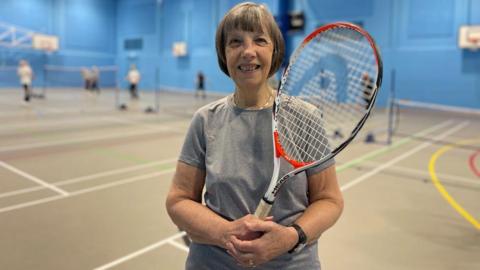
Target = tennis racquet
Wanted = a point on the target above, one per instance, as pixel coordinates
(325, 96)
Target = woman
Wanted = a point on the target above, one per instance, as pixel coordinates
(133, 78)
(228, 154)
(25, 74)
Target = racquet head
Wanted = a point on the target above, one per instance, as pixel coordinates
(326, 93)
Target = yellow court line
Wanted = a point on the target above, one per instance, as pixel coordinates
(443, 191)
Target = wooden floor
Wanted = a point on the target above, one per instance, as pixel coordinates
(83, 185)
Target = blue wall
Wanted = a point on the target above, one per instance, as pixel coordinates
(162, 24)
(87, 31)
(418, 39)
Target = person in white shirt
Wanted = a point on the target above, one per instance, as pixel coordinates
(25, 74)
(133, 77)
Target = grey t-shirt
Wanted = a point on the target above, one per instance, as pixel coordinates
(235, 148)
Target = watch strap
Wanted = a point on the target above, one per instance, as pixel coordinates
(302, 238)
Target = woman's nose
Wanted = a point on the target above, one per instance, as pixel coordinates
(248, 49)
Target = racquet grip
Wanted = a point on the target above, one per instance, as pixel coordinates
(263, 209)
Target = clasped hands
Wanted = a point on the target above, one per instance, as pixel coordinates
(252, 241)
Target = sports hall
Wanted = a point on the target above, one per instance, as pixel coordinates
(85, 168)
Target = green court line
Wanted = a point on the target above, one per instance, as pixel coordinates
(164, 167)
(384, 150)
(122, 156)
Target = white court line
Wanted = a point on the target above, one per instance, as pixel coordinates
(343, 188)
(78, 140)
(54, 125)
(443, 176)
(49, 111)
(401, 157)
(63, 124)
(136, 123)
(87, 190)
(141, 251)
(88, 177)
(116, 171)
(178, 245)
(33, 178)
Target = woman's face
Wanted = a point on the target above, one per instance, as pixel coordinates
(249, 58)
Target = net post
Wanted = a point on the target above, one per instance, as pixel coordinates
(44, 87)
(391, 104)
(157, 100)
(157, 89)
(155, 107)
(117, 91)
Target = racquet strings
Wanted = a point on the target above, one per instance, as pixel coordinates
(328, 90)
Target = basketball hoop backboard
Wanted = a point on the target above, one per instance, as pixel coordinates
(469, 37)
(179, 49)
(46, 43)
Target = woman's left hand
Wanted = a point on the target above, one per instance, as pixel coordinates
(276, 240)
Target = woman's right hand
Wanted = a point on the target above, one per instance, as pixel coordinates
(240, 229)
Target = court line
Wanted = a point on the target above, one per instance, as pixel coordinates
(141, 251)
(431, 167)
(343, 187)
(54, 125)
(364, 177)
(34, 179)
(471, 162)
(86, 190)
(449, 177)
(89, 177)
(136, 123)
(82, 140)
(339, 168)
(383, 150)
(36, 109)
(178, 245)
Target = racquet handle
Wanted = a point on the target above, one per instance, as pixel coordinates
(263, 209)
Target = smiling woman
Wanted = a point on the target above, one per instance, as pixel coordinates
(228, 153)
(249, 57)
(250, 49)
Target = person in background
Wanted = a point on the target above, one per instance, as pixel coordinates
(133, 78)
(94, 79)
(200, 85)
(368, 85)
(25, 74)
(86, 76)
(227, 158)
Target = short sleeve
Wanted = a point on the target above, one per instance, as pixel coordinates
(194, 146)
(321, 167)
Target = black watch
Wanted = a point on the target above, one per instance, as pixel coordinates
(302, 239)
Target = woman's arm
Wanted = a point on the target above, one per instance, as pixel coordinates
(325, 207)
(184, 205)
(326, 204)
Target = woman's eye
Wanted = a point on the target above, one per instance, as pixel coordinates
(234, 42)
(262, 41)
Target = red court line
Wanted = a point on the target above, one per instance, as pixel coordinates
(473, 166)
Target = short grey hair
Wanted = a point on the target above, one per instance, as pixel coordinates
(250, 17)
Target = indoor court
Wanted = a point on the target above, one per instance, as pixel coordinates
(84, 174)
